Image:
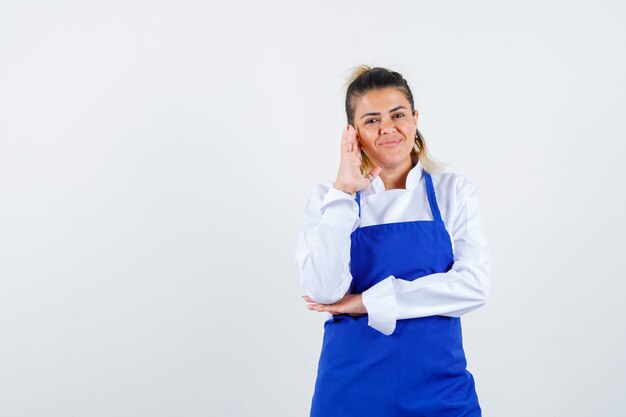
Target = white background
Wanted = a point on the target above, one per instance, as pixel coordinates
(155, 159)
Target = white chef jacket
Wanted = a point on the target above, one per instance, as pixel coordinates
(331, 215)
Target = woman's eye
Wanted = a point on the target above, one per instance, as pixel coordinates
(399, 115)
(370, 121)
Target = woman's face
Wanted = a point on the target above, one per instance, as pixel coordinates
(385, 127)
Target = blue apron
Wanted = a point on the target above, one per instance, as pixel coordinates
(418, 370)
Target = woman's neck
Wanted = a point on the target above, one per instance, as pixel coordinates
(395, 177)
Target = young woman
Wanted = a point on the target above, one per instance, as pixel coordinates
(395, 252)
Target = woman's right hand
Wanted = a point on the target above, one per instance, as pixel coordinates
(349, 178)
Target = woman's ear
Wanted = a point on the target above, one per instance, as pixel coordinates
(415, 114)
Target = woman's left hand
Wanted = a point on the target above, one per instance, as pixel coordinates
(351, 304)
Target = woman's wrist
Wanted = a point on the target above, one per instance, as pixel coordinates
(339, 186)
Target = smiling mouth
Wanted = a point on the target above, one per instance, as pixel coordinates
(390, 143)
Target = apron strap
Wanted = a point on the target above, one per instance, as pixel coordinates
(432, 198)
(358, 201)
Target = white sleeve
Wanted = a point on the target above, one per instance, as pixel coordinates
(462, 289)
(323, 250)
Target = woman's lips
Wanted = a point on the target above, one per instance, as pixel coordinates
(390, 143)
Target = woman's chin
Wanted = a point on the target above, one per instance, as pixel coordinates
(395, 163)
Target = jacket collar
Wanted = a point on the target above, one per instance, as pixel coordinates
(412, 180)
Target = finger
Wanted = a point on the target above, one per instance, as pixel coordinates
(309, 299)
(375, 171)
(318, 307)
(351, 138)
(369, 178)
(344, 140)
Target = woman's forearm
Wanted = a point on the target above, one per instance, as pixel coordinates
(323, 250)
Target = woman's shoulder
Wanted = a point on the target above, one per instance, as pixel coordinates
(324, 193)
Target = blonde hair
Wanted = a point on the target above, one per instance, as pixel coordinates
(365, 79)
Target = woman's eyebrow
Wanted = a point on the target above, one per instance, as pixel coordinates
(378, 114)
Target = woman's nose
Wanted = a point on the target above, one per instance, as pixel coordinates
(387, 126)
